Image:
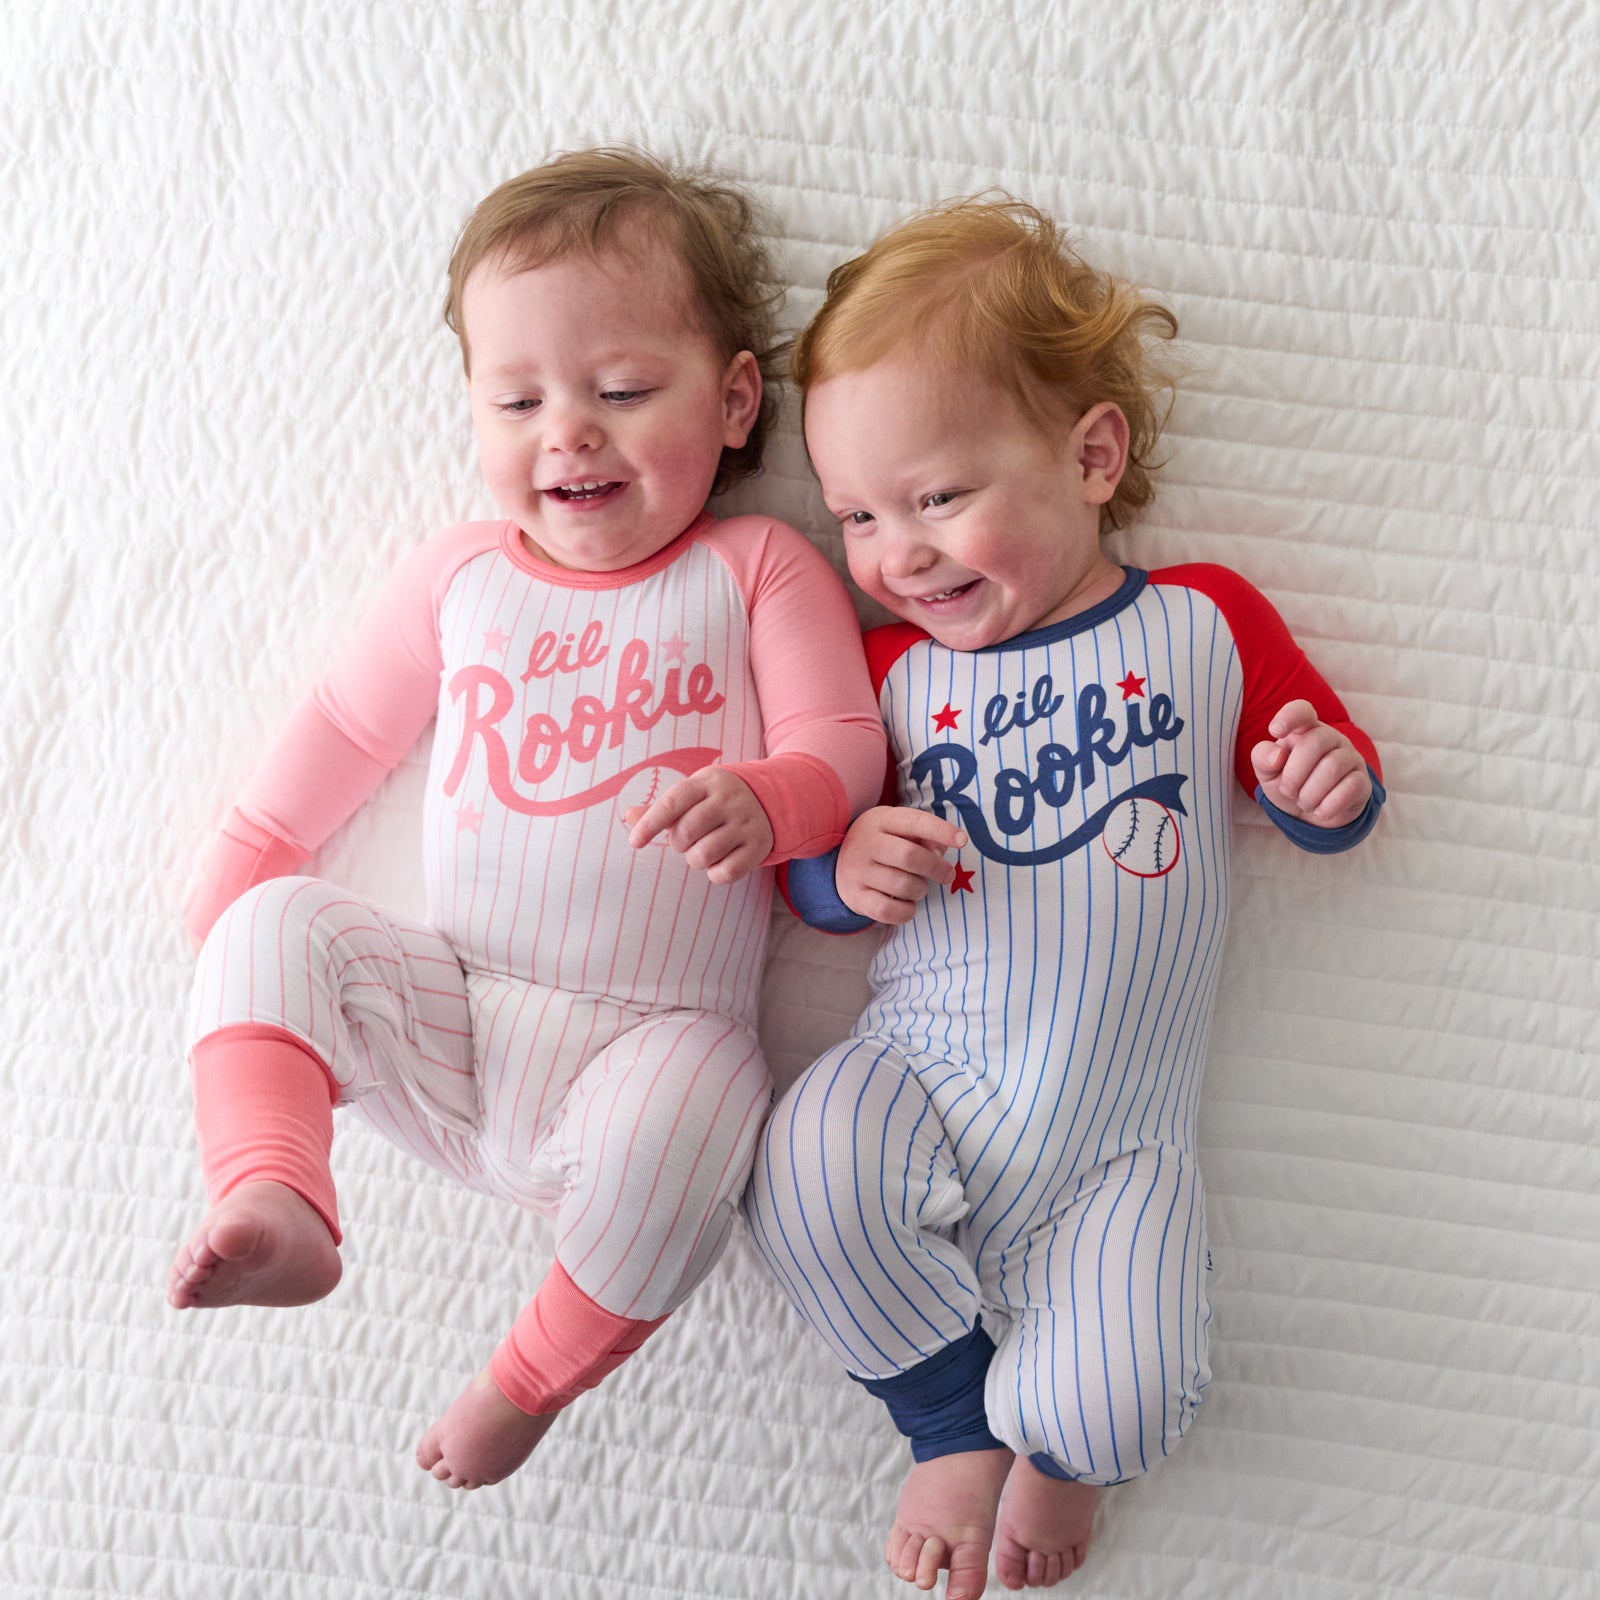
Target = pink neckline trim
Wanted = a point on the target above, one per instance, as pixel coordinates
(571, 578)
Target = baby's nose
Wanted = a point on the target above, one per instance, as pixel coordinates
(904, 556)
(571, 428)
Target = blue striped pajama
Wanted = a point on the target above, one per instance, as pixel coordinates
(1010, 1131)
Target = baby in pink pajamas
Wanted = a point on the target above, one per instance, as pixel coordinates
(639, 708)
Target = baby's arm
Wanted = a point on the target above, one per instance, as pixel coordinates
(824, 738)
(312, 777)
(1290, 724)
(363, 716)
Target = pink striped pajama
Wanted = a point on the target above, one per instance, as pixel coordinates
(573, 1025)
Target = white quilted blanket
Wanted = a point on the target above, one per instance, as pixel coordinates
(230, 406)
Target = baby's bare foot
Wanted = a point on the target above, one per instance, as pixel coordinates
(261, 1245)
(1043, 1532)
(481, 1438)
(946, 1519)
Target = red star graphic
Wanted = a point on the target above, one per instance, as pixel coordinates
(1131, 686)
(962, 881)
(946, 719)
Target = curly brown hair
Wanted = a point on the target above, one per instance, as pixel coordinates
(989, 284)
(592, 202)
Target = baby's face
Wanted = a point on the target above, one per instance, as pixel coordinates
(601, 410)
(958, 514)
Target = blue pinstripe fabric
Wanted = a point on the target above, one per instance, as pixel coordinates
(1011, 1129)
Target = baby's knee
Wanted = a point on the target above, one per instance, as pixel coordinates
(696, 1116)
(830, 1126)
(812, 1148)
(832, 1160)
(284, 912)
(1101, 1419)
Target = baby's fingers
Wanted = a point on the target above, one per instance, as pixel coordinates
(1268, 758)
(1345, 798)
(1310, 754)
(909, 859)
(884, 907)
(663, 811)
(726, 855)
(923, 827)
(1291, 718)
(898, 885)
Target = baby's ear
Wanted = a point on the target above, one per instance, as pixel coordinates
(1102, 440)
(741, 398)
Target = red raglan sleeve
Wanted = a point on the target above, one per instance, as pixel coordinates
(1276, 669)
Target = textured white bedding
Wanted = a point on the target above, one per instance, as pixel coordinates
(230, 406)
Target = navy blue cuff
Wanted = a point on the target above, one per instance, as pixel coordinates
(812, 893)
(1326, 841)
(938, 1404)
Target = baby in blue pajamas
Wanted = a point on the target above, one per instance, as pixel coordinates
(986, 1199)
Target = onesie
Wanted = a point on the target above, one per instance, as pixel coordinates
(993, 1180)
(572, 1025)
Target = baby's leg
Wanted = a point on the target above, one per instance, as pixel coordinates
(652, 1145)
(1102, 1370)
(304, 998)
(850, 1201)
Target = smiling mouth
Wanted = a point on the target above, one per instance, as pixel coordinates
(590, 490)
(945, 594)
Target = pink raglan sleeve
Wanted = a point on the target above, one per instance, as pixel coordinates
(354, 727)
(825, 743)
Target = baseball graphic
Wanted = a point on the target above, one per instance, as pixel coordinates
(640, 790)
(1142, 838)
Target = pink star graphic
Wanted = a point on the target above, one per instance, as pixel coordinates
(1132, 686)
(468, 819)
(672, 649)
(495, 642)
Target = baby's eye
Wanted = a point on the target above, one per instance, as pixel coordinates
(855, 519)
(940, 497)
(517, 408)
(623, 396)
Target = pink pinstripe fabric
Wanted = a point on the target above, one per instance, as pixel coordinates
(574, 1026)
(634, 1130)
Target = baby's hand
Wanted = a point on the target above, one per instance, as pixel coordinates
(1311, 771)
(712, 819)
(889, 857)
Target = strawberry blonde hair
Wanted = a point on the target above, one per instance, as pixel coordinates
(618, 199)
(990, 285)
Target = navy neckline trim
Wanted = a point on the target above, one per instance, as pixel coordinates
(1133, 582)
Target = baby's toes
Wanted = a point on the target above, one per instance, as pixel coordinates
(969, 1572)
(1010, 1568)
(894, 1548)
(921, 1557)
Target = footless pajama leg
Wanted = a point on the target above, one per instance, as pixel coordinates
(851, 1202)
(639, 1151)
(1099, 1330)
(1102, 1367)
